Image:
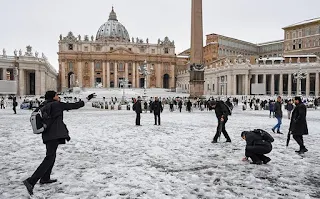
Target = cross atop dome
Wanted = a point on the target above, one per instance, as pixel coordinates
(113, 15)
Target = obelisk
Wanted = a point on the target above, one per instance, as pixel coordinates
(196, 51)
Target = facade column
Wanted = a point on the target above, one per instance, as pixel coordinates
(234, 85)
(126, 72)
(246, 84)
(4, 74)
(137, 76)
(281, 84)
(63, 76)
(133, 75)
(308, 85)
(289, 85)
(108, 75)
(79, 74)
(264, 81)
(37, 82)
(216, 85)
(115, 74)
(272, 84)
(172, 77)
(92, 75)
(42, 82)
(104, 74)
(256, 78)
(21, 81)
(158, 75)
(317, 84)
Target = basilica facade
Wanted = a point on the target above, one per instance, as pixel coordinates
(111, 57)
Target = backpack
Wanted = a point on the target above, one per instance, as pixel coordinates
(229, 110)
(40, 119)
(265, 135)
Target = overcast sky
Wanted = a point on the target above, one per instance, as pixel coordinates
(40, 22)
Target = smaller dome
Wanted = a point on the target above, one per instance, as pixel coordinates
(113, 30)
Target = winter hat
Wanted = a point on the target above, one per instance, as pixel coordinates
(297, 98)
(244, 133)
(50, 95)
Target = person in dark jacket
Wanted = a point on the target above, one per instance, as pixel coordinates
(138, 109)
(278, 115)
(256, 147)
(157, 109)
(180, 105)
(14, 104)
(189, 105)
(271, 108)
(55, 134)
(298, 124)
(222, 116)
(289, 108)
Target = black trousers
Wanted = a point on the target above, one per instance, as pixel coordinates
(256, 153)
(138, 117)
(2, 106)
(180, 109)
(221, 128)
(299, 140)
(14, 110)
(157, 118)
(45, 168)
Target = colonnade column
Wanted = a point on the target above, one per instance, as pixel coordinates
(264, 81)
(246, 84)
(272, 84)
(79, 73)
(234, 85)
(289, 84)
(229, 84)
(21, 81)
(37, 82)
(108, 75)
(4, 74)
(42, 82)
(317, 84)
(158, 75)
(308, 84)
(116, 74)
(126, 72)
(281, 84)
(92, 74)
(216, 85)
(256, 79)
(133, 74)
(172, 79)
(138, 76)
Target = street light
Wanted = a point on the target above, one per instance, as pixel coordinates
(124, 83)
(299, 75)
(143, 70)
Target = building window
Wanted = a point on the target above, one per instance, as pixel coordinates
(142, 50)
(86, 48)
(166, 51)
(111, 48)
(300, 46)
(293, 35)
(70, 46)
(70, 66)
(153, 51)
(294, 47)
(208, 86)
(121, 67)
(98, 48)
(130, 66)
(130, 49)
(300, 33)
(97, 66)
(213, 87)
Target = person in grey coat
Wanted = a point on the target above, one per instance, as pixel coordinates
(298, 124)
(278, 115)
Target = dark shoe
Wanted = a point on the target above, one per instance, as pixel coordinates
(257, 163)
(28, 186)
(265, 161)
(279, 132)
(273, 131)
(228, 141)
(214, 141)
(301, 151)
(48, 181)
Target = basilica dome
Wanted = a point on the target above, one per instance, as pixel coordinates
(113, 30)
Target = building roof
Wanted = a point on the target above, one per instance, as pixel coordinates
(270, 42)
(303, 22)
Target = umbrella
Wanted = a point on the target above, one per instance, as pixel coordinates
(288, 138)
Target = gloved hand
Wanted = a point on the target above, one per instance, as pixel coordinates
(93, 95)
(245, 159)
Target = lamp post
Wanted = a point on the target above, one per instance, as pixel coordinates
(299, 75)
(124, 83)
(143, 70)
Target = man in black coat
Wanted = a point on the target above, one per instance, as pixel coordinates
(55, 134)
(189, 105)
(256, 147)
(157, 109)
(180, 105)
(14, 105)
(298, 124)
(222, 116)
(138, 110)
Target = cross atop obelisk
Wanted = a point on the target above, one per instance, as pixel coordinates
(196, 55)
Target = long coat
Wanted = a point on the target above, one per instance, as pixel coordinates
(298, 123)
(57, 130)
(137, 107)
(157, 107)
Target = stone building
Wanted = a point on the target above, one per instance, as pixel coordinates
(26, 74)
(112, 56)
(303, 37)
(236, 76)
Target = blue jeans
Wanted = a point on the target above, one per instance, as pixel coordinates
(277, 126)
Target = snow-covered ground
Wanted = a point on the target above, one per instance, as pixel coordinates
(109, 157)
